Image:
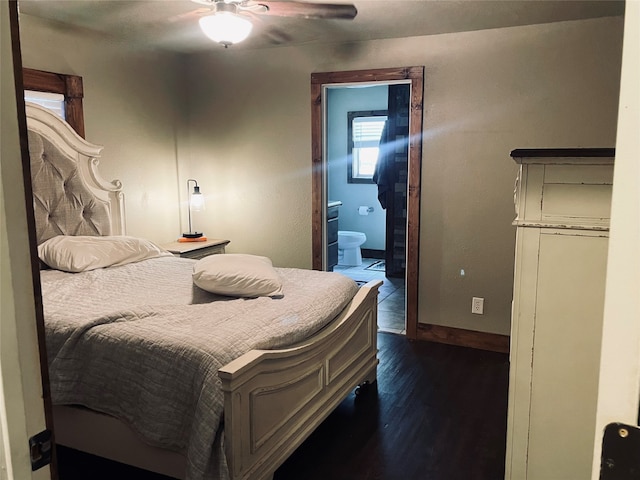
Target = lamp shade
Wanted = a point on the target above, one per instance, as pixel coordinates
(196, 201)
(225, 27)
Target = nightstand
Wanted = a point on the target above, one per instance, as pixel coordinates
(196, 250)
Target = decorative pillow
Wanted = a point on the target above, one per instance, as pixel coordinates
(81, 253)
(237, 275)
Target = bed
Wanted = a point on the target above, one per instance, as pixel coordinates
(247, 408)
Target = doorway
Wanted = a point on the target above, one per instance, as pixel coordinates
(366, 138)
(320, 84)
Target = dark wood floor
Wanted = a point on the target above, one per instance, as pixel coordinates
(438, 412)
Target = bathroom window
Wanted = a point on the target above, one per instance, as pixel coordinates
(364, 134)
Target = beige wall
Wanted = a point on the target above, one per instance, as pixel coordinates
(247, 139)
(132, 106)
(486, 93)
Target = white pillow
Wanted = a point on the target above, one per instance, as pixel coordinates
(81, 253)
(237, 275)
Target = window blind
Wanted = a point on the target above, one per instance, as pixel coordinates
(50, 101)
(367, 131)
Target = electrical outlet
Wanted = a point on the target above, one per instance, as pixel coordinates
(477, 305)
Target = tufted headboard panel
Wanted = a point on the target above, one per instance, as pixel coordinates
(61, 202)
(69, 196)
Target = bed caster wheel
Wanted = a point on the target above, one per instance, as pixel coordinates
(362, 388)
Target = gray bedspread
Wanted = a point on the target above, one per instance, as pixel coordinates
(142, 343)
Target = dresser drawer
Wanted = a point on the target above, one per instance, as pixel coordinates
(203, 252)
(197, 250)
(564, 196)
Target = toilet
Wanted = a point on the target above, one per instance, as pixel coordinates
(349, 253)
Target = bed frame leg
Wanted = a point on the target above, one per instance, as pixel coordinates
(362, 388)
(368, 383)
(371, 377)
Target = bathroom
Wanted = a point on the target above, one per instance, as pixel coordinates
(369, 220)
(362, 222)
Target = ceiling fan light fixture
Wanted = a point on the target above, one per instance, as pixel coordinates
(226, 28)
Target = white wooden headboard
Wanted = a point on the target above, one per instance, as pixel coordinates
(69, 195)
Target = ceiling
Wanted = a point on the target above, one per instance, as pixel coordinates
(172, 24)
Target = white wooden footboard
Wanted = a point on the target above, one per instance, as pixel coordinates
(275, 398)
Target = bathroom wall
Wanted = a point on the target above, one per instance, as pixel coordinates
(340, 101)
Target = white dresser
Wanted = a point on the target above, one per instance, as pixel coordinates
(563, 200)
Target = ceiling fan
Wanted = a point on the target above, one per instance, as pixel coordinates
(229, 22)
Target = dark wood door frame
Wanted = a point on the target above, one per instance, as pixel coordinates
(416, 76)
(30, 220)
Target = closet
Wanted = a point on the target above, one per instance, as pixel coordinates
(562, 199)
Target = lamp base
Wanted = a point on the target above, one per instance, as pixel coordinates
(192, 235)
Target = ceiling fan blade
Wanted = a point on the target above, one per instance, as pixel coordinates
(273, 35)
(189, 15)
(309, 10)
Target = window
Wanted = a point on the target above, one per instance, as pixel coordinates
(70, 86)
(51, 101)
(365, 132)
